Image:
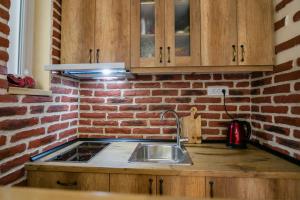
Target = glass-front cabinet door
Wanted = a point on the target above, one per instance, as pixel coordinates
(147, 33)
(182, 32)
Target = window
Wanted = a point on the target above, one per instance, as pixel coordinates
(21, 36)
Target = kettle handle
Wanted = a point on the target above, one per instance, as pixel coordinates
(248, 128)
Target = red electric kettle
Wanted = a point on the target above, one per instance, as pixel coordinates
(239, 133)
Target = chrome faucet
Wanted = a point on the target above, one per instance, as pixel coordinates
(178, 139)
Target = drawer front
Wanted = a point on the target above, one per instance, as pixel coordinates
(69, 180)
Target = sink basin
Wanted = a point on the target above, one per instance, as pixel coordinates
(160, 153)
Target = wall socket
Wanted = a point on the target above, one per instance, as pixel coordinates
(217, 90)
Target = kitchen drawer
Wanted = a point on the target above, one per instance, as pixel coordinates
(68, 180)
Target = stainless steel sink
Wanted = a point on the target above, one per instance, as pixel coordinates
(160, 153)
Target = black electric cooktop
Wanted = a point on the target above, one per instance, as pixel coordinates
(80, 153)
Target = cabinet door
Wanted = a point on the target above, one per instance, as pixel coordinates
(72, 181)
(252, 188)
(182, 186)
(147, 33)
(112, 31)
(219, 32)
(255, 26)
(182, 28)
(136, 184)
(77, 34)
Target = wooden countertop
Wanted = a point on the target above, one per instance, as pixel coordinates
(47, 194)
(208, 159)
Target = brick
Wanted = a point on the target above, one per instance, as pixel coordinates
(133, 108)
(236, 76)
(168, 77)
(178, 100)
(4, 56)
(134, 123)
(69, 116)
(197, 77)
(292, 121)
(162, 123)
(287, 44)
(274, 109)
(189, 107)
(165, 93)
(255, 91)
(210, 131)
(193, 92)
(90, 130)
(60, 90)
(3, 84)
(292, 98)
(244, 108)
(50, 119)
(119, 100)
(277, 89)
(36, 109)
(296, 16)
(298, 62)
(197, 85)
(4, 28)
(262, 117)
(239, 92)
(93, 115)
(85, 122)
(277, 129)
(137, 93)
(55, 80)
(69, 99)
(283, 67)
(218, 83)
(161, 107)
(119, 115)
(207, 100)
(15, 124)
(70, 83)
(119, 86)
(287, 76)
(58, 126)
(2, 140)
(261, 82)
(263, 135)
(105, 123)
(67, 133)
(36, 99)
(169, 130)
(92, 100)
(14, 163)
(259, 100)
(145, 131)
(118, 130)
(11, 151)
(238, 100)
(147, 85)
(13, 176)
(104, 108)
(289, 143)
(218, 124)
(3, 41)
(12, 111)
(297, 134)
(41, 141)
(3, 70)
(176, 85)
(282, 4)
(148, 115)
(210, 115)
(221, 108)
(5, 3)
(148, 100)
(4, 14)
(57, 108)
(85, 107)
(279, 24)
(141, 78)
(242, 84)
(27, 134)
(296, 110)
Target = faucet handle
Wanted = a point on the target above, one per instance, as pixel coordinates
(184, 139)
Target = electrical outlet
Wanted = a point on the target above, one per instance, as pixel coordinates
(217, 90)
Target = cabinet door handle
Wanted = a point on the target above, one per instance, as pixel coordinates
(211, 190)
(160, 54)
(91, 52)
(169, 54)
(66, 184)
(243, 53)
(233, 53)
(98, 55)
(150, 186)
(161, 189)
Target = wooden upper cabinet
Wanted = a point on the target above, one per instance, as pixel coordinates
(219, 43)
(134, 184)
(77, 34)
(112, 31)
(182, 28)
(255, 37)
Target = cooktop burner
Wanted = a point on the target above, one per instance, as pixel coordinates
(81, 153)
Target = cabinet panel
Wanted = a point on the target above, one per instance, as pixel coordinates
(112, 31)
(219, 44)
(73, 181)
(137, 184)
(252, 188)
(77, 34)
(255, 38)
(183, 186)
(182, 28)
(147, 33)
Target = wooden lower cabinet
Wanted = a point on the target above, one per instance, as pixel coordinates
(131, 183)
(69, 180)
(183, 186)
(252, 188)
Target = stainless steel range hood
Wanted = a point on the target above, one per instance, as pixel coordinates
(91, 71)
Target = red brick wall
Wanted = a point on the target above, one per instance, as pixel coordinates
(276, 96)
(32, 124)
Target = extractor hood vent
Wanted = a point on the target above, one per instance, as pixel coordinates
(91, 71)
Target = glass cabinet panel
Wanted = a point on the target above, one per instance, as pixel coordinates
(182, 27)
(147, 20)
